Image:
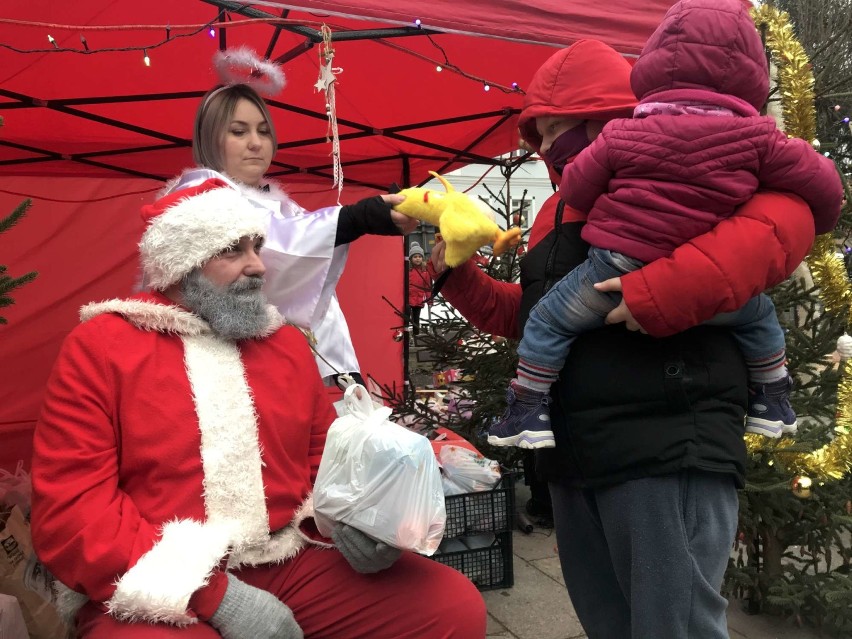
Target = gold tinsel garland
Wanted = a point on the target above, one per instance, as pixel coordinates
(796, 87)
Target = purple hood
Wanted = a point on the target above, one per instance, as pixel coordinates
(704, 45)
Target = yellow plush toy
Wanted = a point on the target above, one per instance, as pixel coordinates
(463, 225)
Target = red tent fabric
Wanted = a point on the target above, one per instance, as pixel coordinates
(69, 112)
(92, 135)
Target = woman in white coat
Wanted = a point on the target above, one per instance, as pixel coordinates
(305, 252)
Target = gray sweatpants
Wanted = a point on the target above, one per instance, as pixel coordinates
(645, 559)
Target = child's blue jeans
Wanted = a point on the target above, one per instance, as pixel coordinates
(573, 306)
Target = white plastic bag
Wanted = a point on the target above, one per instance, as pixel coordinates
(12, 624)
(466, 471)
(380, 478)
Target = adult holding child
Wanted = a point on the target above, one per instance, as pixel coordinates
(649, 432)
(234, 140)
(695, 150)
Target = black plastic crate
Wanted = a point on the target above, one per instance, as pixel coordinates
(488, 568)
(490, 511)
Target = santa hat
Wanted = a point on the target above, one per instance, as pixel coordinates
(188, 227)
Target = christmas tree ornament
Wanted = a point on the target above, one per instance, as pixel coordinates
(844, 346)
(801, 486)
(326, 83)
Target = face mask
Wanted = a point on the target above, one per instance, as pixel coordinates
(566, 146)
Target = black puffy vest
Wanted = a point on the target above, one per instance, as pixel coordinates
(627, 405)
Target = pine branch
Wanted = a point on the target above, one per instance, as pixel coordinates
(8, 283)
(15, 216)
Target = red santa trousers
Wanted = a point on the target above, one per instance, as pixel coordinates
(416, 598)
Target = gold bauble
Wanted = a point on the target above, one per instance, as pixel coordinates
(801, 486)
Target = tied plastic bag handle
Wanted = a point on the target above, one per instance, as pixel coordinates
(357, 402)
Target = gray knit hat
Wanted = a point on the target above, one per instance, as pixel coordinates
(415, 249)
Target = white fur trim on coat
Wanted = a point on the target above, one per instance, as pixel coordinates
(68, 602)
(158, 588)
(271, 191)
(230, 448)
(283, 544)
(193, 230)
(162, 318)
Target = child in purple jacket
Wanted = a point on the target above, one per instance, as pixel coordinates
(695, 149)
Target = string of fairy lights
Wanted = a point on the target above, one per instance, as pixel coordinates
(210, 28)
(844, 128)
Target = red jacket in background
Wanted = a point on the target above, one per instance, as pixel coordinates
(419, 285)
(614, 415)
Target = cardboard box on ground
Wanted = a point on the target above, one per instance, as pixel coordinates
(22, 575)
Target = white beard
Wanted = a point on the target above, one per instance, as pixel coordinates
(237, 311)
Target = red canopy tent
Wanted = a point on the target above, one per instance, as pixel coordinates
(91, 132)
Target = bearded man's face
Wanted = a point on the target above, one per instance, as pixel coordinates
(235, 311)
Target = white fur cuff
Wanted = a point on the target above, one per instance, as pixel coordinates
(157, 589)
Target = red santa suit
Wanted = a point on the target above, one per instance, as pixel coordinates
(167, 456)
(169, 449)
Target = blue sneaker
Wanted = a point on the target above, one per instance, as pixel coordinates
(769, 410)
(523, 425)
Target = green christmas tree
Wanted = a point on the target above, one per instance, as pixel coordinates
(793, 551)
(7, 282)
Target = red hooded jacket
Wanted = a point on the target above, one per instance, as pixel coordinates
(419, 285)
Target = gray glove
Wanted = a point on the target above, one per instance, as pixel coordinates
(364, 554)
(247, 612)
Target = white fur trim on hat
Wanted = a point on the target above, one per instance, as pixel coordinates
(193, 230)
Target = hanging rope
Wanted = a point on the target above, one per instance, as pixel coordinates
(325, 83)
